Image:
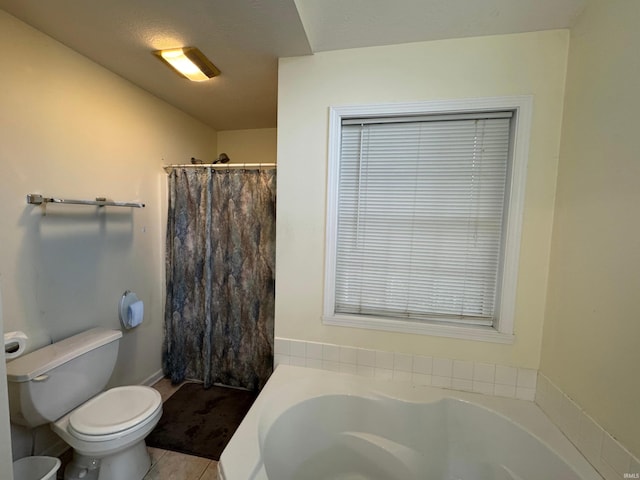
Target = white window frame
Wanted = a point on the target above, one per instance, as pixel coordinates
(503, 329)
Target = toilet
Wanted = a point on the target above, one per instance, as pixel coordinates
(63, 385)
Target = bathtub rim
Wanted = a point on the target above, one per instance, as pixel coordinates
(301, 383)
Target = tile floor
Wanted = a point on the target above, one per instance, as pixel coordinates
(165, 464)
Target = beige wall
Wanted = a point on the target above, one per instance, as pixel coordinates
(591, 333)
(70, 128)
(525, 64)
(249, 146)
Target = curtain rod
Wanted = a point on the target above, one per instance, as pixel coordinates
(221, 166)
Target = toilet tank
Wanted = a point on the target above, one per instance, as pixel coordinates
(48, 383)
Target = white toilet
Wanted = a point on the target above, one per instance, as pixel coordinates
(62, 384)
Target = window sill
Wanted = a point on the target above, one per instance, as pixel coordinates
(463, 332)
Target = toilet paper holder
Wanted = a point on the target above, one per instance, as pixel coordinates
(128, 299)
(15, 343)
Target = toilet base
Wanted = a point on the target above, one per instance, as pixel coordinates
(132, 463)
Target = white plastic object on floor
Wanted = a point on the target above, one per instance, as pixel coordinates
(35, 468)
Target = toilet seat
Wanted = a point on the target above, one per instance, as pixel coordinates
(114, 412)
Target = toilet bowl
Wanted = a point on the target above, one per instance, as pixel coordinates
(62, 384)
(111, 428)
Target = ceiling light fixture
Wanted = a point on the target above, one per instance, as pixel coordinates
(189, 62)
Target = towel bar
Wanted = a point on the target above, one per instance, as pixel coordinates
(37, 199)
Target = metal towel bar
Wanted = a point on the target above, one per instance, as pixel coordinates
(37, 199)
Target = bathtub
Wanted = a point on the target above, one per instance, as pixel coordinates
(312, 424)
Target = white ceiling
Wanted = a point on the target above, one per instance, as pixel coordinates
(338, 24)
(244, 38)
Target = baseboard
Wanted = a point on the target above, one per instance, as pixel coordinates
(56, 449)
(153, 378)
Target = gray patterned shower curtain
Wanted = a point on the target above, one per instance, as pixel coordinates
(220, 275)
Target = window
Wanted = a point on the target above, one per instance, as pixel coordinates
(424, 215)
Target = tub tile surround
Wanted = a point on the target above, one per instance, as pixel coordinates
(421, 370)
(606, 454)
(603, 451)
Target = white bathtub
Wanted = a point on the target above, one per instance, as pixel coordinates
(311, 424)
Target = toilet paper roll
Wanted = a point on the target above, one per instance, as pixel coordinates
(15, 343)
(135, 314)
(131, 310)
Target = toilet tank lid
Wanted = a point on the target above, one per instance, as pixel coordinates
(40, 361)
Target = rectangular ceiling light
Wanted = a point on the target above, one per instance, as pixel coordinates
(189, 62)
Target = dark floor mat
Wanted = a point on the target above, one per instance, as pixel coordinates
(200, 422)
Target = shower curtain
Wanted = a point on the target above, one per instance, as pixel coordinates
(220, 275)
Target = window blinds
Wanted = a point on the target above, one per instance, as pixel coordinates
(420, 217)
